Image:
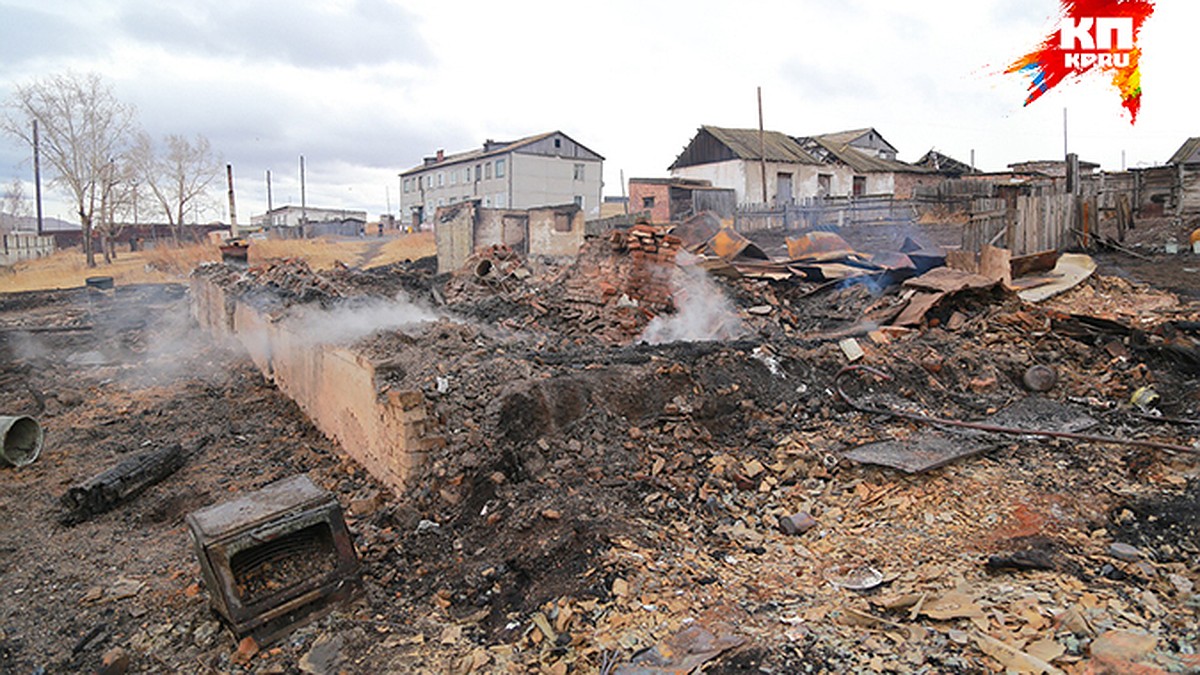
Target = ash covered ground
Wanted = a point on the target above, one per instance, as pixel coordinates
(602, 502)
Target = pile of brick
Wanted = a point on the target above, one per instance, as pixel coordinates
(653, 252)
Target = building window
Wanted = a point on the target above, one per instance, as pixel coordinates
(487, 201)
(467, 175)
(499, 168)
(453, 199)
(441, 202)
(487, 170)
(647, 202)
(478, 172)
(824, 184)
(579, 201)
(454, 178)
(429, 182)
(562, 222)
(578, 172)
(501, 200)
(441, 178)
(860, 186)
(407, 184)
(558, 142)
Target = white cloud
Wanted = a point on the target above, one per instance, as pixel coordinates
(366, 88)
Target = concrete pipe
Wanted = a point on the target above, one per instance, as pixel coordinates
(22, 440)
(483, 269)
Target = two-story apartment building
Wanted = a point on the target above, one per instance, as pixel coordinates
(548, 169)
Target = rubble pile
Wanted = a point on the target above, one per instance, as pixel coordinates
(605, 505)
(275, 286)
(607, 295)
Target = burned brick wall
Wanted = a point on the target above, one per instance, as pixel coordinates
(388, 431)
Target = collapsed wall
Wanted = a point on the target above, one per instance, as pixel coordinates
(387, 430)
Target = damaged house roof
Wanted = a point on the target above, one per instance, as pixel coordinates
(717, 144)
(946, 164)
(830, 149)
(850, 136)
(1188, 153)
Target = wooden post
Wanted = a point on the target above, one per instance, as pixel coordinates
(37, 177)
(303, 199)
(1087, 222)
(623, 195)
(233, 226)
(762, 148)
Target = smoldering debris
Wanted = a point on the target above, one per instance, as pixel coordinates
(350, 321)
(703, 313)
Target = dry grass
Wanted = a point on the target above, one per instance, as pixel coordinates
(68, 269)
(319, 253)
(404, 247)
(367, 252)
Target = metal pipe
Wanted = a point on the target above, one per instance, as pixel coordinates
(992, 428)
(20, 440)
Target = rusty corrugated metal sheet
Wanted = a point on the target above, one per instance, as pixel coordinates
(816, 242)
(729, 244)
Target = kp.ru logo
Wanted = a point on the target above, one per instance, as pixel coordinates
(1093, 35)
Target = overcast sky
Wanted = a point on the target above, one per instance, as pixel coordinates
(365, 88)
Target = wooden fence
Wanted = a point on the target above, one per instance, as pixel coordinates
(1036, 224)
(825, 213)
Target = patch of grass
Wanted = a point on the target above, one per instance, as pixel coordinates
(324, 253)
(318, 253)
(165, 264)
(404, 247)
(68, 269)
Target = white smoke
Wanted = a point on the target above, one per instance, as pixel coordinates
(347, 323)
(703, 313)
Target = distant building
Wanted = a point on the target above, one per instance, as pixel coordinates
(945, 165)
(735, 159)
(872, 163)
(1053, 168)
(848, 163)
(1188, 153)
(466, 227)
(294, 216)
(1186, 164)
(543, 170)
(673, 200)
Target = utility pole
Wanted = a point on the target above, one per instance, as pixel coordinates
(972, 159)
(37, 176)
(269, 205)
(303, 201)
(762, 147)
(233, 226)
(1065, 150)
(624, 198)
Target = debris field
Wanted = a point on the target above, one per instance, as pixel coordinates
(653, 462)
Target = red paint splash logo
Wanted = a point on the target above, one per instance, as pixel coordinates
(1093, 35)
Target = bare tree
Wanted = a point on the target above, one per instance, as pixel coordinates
(83, 129)
(180, 178)
(117, 199)
(14, 205)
